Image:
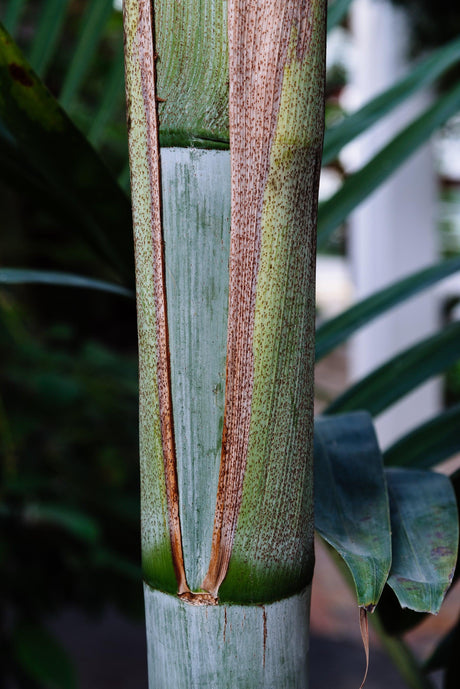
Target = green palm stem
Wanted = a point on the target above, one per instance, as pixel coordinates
(226, 408)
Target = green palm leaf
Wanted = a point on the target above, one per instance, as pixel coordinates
(42, 658)
(428, 444)
(338, 329)
(12, 15)
(111, 97)
(16, 276)
(336, 11)
(93, 23)
(361, 184)
(47, 34)
(421, 76)
(401, 374)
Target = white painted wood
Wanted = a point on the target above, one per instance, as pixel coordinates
(227, 646)
(394, 232)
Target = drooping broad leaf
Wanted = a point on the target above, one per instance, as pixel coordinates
(86, 197)
(351, 503)
(362, 183)
(16, 276)
(338, 329)
(42, 658)
(421, 76)
(428, 444)
(455, 478)
(424, 523)
(397, 620)
(401, 374)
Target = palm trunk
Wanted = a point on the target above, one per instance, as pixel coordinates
(227, 646)
(226, 405)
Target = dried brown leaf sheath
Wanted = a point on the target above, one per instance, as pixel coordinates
(276, 72)
(146, 186)
(270, 46)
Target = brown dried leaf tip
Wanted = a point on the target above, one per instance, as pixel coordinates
(364, 627)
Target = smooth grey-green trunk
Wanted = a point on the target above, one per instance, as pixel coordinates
(227, 646)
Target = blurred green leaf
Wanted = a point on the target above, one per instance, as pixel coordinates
(338, 329)
(110, 560)
(442, 654)
(75, 522)
(26, 483)
(400, 653)
(401, 374)
(424, 524)
(16, 276)
(12, 15)
(351, 504)
(336, 11)
(428, 444)
(361, 184)
(47, 33)
(85, 195)
(92, 24)
(445, 657)
(42, 658)
(114, 90)
(124, 177)
(424, 74)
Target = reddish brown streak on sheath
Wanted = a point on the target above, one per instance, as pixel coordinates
(363, 625)
(259, 35)
(147, 66)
